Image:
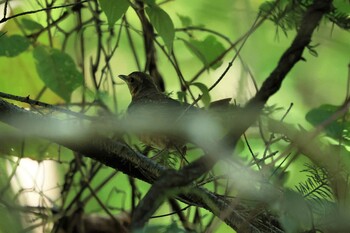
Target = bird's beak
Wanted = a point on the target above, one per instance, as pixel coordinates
(123, 77)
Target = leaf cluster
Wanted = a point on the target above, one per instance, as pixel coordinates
(286, 14)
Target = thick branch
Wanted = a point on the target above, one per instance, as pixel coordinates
(289, 58)
(150, 51)
(119, 156)
(173, 180)
(293, 54)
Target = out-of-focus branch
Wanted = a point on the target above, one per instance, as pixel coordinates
(173, 180)
(119, 156)
(324, 156)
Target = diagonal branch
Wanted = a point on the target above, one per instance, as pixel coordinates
(119, 156)
(287, 61)
(173, 180)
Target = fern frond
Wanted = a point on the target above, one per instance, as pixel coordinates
(287, 14)
(316, 186)
(318, 193)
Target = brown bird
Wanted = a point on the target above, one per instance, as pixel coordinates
(167, 119)
(150, 105)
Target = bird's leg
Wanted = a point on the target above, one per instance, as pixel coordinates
(182, 152)
(154, 157)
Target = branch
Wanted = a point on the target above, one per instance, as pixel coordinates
(324, 156)
(32, 102)
(4, 19)
(119, 156)
(150, 51)
(175, 179)
(289, 58)
(112, 153)
(293, 54)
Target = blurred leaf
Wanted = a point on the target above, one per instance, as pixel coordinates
(162, 22)
(295, 215)
(207, 50)
(114, 10)
(185, 20)
(174, 228)
(205, 93)
(338, 129)
(150, 2)
(240, 146)
(57, 70)
(16, 145)
(12, 46)
(344, 156)
(31, 24)
(35, 149)
(195, 51)
(11, 220)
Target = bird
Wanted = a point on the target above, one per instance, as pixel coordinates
(149, 104)
(167, 119)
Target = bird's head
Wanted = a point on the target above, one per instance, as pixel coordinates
(140, 84)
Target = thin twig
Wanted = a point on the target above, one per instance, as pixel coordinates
(40, 10)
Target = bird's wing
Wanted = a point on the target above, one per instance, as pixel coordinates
(159, 109)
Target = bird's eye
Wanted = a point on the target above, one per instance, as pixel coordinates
(131, 80)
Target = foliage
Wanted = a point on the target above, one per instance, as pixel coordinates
(57, 70)
(65, 56)
(338, 129)
(114, 10)
(286, 14)
(161, 21)
(7, 45)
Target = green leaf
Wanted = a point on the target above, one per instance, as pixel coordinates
(181, 95)
(338, 129)
(11, 46)
(205, 93)
(114, 10)
(31, 25)
(162, 22)
(57, 70)
(207, 50)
